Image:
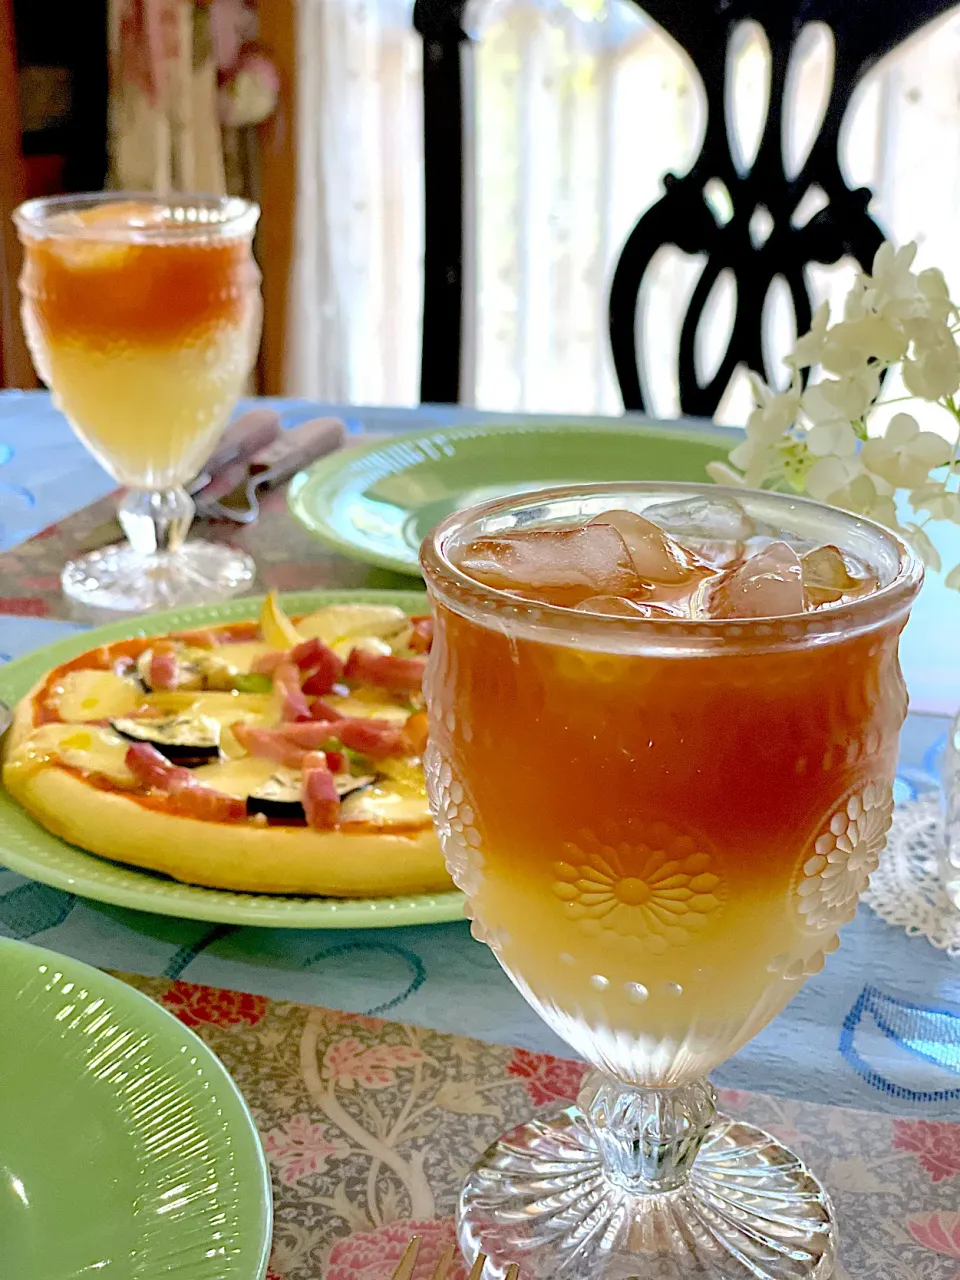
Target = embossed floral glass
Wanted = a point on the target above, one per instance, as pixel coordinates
(660, 826)
(142, 314)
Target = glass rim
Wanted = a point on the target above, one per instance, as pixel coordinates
(852, 615)
(238, 216)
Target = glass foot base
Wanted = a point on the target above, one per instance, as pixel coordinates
(540, 1197)
(118, 577)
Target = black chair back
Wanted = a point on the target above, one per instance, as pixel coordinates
(863, 32)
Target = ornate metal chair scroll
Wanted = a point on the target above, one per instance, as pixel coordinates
(759, 217)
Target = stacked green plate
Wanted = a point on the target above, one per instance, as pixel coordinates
(377, 502)
(126, 1151)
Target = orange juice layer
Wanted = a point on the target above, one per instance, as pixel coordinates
(103, 291)
(663, 846)
(150, 414)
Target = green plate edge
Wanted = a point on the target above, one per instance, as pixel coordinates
(310, 493)
(45, 857)
(231, 1165)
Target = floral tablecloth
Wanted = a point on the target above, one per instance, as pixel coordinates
(370, 1126)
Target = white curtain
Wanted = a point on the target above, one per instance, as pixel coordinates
(356, 284)
(582, 106)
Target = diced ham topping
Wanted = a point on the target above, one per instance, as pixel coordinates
(163, 668)
(187, 796)
(321, 803)
(319, 659)
(313, 658)
(310, 735)
(398, 675)
(321, 711)
(265, 664)
(286, 682)
(269, 744)
(321, 681)
(288, 743)
(376, 739)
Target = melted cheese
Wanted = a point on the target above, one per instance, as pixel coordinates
(343, 622)
(399, 799)
(242, 655)
(91, 748)
(375, 707)
(228, 708)
(236, 777)
(96, 695)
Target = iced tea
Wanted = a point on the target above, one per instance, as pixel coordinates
(144, 323)
(662, 762)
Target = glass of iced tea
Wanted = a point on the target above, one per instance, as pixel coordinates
(142, 314)
(663, 734)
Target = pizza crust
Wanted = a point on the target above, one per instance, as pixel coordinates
(245, 858)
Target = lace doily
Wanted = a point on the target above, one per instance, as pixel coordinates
(905, 889)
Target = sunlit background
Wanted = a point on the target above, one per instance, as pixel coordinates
(580, 109)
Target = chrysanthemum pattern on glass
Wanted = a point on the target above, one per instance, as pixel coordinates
(658, 890)
(844, 857)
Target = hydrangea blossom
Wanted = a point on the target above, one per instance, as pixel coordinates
(816, 441)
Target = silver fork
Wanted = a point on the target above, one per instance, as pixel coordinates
(409, 1260)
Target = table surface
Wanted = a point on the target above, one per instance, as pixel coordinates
(826, 1046)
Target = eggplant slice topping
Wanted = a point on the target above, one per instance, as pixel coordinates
(186, 740)
(279, 798)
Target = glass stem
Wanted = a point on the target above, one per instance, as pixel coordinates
(156, 521)
(648, 1138)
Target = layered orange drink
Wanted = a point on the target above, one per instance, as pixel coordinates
(664, 730)
(143, 319)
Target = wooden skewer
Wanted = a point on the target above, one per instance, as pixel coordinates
(476, 1271)
(513, 1272)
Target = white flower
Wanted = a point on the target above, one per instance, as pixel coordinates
(905, 455)
(924, 548)
(932, 371)
(834, 437)
(892, 289)
(831, 476)
(758, 461)
(720, 473)
(842, 482)
(844, 399)
(809, 348)
(883, 509)
(952, 580)
(855, 304)
(893, 316)
(775, 412)
(938, 501)
(934, 290)
(850, 344)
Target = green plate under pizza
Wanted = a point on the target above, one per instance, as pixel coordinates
(30, 849)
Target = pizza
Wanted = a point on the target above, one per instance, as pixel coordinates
(281, 755)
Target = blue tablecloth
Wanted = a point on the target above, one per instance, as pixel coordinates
(879, 1028)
